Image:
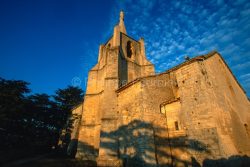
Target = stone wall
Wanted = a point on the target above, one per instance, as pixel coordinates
(192, 112)
(205, 90)
(200, 113)
(89, 131)
(232, 112)
(140, 120)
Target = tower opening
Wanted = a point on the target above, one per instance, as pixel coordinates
(129, 49)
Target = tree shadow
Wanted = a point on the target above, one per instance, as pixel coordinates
(142, 143)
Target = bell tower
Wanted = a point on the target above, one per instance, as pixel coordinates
(132, 61)
(120, 60)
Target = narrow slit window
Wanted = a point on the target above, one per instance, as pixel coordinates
(176, 125)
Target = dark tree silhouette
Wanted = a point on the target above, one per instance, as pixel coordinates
(66, 99)
(33, 121)
(43, 119)
(12, 98)
(12, 108)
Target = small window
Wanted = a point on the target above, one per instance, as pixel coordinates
(176, 125)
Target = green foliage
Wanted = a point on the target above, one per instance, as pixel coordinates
(12, 98)
(33, 120)
(68, 98)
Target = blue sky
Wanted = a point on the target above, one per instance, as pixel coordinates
(53, 43)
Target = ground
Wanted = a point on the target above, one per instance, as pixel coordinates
(48, 160)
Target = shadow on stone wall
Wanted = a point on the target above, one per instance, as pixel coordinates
(141, 144)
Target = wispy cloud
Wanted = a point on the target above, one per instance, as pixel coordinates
(242, 66)
(173, 29)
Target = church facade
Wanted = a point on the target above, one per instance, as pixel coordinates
(133, 117)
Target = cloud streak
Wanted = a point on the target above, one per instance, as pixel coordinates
(174, 29)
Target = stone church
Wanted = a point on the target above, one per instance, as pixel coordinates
(192, 113)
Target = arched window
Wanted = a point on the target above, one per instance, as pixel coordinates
(129, 49)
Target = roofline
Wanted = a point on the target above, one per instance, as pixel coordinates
(169, 101)
(195, 59)
(230, 71)
(129, 37)
(123, 34)
(108, 40)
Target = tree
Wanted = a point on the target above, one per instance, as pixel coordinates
(34, 120)
(12, 108)
(12, 96)
(43, 119)
(67, 98)
(12, 99)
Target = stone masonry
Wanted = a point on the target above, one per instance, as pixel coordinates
(133, 117)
